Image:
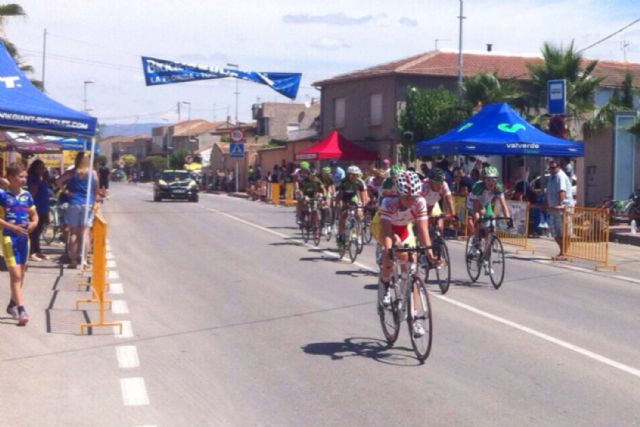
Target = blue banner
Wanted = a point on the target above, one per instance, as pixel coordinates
(162, 72)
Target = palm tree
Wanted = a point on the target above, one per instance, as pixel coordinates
(568, 64)
(12, 10)
(486, 88)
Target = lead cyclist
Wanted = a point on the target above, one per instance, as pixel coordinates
(396, 215)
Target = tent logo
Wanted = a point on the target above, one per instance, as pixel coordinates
(11, 82)
(514, 128)
(465, 127)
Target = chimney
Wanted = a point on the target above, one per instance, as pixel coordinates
(489, 47)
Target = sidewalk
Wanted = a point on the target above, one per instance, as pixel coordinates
(622, 234)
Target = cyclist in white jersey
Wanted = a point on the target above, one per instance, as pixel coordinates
(396, 216)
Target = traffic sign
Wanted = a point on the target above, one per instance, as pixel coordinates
(236, 149)
(237, 135)
(556, 96)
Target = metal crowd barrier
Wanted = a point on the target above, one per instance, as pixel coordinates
(274, 187)
(586, 235)
(289, 194)
(519, 235)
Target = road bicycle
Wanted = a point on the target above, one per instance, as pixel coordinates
(52, 228)
(369, 212)
(489, 256)
(440, 251)
(352, 234)
(309, 220)
(328, 218)
(409, 301)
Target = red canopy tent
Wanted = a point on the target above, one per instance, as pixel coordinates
(336, 147)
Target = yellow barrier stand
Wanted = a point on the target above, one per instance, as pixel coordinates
(289, 193)
(99, 275)
(520, 235)
(275, 193)
(586, 235)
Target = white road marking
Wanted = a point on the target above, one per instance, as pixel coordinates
(127, 330)
(111, 263)
(116, 288)
(110, 256)
(112, 274)
(629, 279)
(108, 247)
(127, 356)
(565, 344)
(134, 392)
(119, 306)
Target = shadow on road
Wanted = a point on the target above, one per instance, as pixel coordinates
(283, 228)
(357, 273)
(370, 348)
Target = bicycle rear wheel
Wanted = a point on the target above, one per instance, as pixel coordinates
(389, 315)
(420, 311)
(472, 258)
(443, 272)
(50, 228)
(496, 262)
(305, 229)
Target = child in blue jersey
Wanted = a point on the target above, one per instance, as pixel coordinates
(18, 217)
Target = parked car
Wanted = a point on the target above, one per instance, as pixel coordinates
(175, 184)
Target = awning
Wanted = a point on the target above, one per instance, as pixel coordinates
(336, 147)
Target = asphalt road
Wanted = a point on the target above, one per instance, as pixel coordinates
(233, 321)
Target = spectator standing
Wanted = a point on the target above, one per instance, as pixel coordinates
(18, 220)
(103, 179)
(39, 189)
(462, 184)
(559, 199)
(77, 189)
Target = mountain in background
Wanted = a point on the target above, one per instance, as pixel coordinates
(128, 129)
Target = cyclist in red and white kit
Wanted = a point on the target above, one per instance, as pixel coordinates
(435, 188)
(396, 216)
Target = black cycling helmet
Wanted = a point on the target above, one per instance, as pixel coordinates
(436, 175)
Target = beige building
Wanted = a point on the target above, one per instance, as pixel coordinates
(282, 121)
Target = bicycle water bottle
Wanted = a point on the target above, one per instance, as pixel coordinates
(634, 228)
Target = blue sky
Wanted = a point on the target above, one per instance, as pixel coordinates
(103, 40)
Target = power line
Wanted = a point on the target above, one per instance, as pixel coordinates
(609, 36)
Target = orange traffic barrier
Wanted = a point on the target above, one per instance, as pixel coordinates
(275, 193)
(586, 235)
(290, 188)
(460, 206)
(98, 278)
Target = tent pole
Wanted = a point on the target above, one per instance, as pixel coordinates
(87, 207)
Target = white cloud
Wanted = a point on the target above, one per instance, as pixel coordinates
(408, 22)
(339, 19)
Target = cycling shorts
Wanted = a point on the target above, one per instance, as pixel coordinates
(15, 250)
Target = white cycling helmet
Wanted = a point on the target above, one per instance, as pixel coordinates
(355, 170)
(408, 184)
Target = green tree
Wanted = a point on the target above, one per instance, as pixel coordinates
(7, 11)
(158, 163)
(129, 160)
(568, 64)
(176, 159)
(428, 113)
(621, 100)
(486, 88)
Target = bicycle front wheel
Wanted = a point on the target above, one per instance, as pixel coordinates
(315, 233)
(359, 237)
(305, 229)
(496, 262)
(419, 319)
(366, 230)
(443, 272)
(473, 259)
(389, 314)
(352, 242)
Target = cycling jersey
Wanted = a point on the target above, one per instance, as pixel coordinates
(391, 210)
(485, 196)
(350, 189)
(326, 180)
(432, 197)
(16, 210)
(388, 188)
(311, 188)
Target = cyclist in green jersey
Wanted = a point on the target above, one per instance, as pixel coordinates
(484, 194)
(388, 187)
(311, 188)
(351, 191)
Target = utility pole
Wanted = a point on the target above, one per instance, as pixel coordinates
(236, 92)
(85, 83)
(178, 107)
(460, 60)
(44, 56)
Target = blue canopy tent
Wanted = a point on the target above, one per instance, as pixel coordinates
(498, 130)
(24, 107)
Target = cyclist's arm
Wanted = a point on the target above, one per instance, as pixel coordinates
(503, 204)
(449, 201)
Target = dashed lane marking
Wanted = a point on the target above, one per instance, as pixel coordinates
(127, 356)
(112, 274)
(127, 330)
(134, 391)
(116, 288)
(119, 306)
(111, 264)
(565, 344)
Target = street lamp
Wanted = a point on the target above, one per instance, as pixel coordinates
(236, 92)
(85, 83)
(460, 61)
